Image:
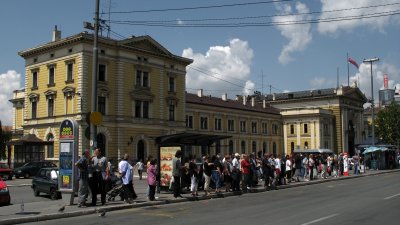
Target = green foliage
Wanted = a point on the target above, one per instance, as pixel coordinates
(5, 136)
(387, 123)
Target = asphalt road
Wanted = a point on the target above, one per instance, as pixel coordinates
(367, 200)
(20, 193)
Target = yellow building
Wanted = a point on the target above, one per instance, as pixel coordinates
(326, 118)
(140, 94)
(253, 127)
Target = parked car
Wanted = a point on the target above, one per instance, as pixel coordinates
(5, 198)
(46, 181)
(32, 168)
(5, 172)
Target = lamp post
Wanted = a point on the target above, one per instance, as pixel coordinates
(372, 97)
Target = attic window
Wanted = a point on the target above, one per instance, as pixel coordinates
(51, 55)
(102, 51)
(290, 96)
(35, 60)
(70, 50)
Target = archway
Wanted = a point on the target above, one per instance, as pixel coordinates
(351, 136)
(230, 147)
(140, 151)
(101, 143)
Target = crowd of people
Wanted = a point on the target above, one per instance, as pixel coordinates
(236, 172)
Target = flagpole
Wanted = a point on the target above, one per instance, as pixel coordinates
(348, 70)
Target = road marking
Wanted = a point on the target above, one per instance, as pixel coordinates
(321, 219)
(392, 196)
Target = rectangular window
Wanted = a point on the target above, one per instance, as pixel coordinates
(70, 71)
(101, 105)
(242, 126)
(145, 105)
(142, 78)
(231, 125)
(50, 107)
(34, 110)
(145, 79)
(51, 75)
(274, 129)
(171, 112)
(254, 127)
(218, 124)
(138, 78)
(102, 72)
(189, 121)
(204, 123)
(264, 128)
(34, 79)
(171, 86)
(305, 128)
(138, 109)
(292, 129)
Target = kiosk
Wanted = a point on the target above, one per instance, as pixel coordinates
(68, 156)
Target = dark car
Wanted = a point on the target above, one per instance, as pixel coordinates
(5, 172)
(5, 198)
(31, 168)
(46, 181)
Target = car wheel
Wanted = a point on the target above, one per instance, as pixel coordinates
(35, 191)
(53, 194)
(26, 175)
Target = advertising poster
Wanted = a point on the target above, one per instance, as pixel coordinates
(166, 156)
(66, 165)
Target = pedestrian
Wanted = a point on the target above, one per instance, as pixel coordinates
(245, 165)
(152, 178)
(194, 177)
(324, 162)
(356, 161)
(207, 168)
(176, 173)
(298, 167)
(216, 173)
(288, 165)
(140, 168)
(236, 173)
(311, 165)
(125, 171)
(83, 166)
(277, 169)
(305, 167)
(100, 173)
(227, 173)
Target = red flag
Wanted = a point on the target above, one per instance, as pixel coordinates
(352, 61)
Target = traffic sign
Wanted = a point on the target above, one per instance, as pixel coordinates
(96, 118)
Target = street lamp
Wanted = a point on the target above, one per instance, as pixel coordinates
(372, 97)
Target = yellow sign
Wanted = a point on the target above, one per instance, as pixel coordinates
(65, 180)
(96, 118)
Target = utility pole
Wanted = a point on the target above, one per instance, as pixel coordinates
(93, 127)
(372, 98)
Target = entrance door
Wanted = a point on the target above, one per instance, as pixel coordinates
(141, 151)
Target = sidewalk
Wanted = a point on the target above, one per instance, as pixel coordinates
(39, 211)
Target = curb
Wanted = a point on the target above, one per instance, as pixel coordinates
(169, 201)
(18, 185)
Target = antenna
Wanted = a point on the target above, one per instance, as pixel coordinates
(337, 74)
(262, 82)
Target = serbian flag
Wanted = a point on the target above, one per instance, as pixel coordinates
(352, 61)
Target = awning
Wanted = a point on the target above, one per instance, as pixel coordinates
(29, 139)
(372, 149)
(189, 139)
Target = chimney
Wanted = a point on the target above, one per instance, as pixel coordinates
(56, 34)
(264, 104)
(225, 97)
(200, 93)
(385, 81)
(244, 100)
(253, 101)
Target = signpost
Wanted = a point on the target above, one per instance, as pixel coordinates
(68, 156)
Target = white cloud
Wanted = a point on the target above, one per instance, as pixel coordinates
(378, 23)
(229, 63)
(180, 22)
(299, 36)
(324, 82)
(9, 82)
(363, 77)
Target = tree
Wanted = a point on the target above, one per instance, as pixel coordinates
(388, 124)
(5, 136)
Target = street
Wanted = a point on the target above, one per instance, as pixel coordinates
(20, 192)
(366, 200)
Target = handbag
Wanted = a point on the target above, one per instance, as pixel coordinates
(329, 170)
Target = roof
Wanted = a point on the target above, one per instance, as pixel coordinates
(29, 139)
(231, 104)
(315, 94)
(189, 139)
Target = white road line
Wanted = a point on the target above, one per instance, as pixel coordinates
(321, 219)
(392, 196)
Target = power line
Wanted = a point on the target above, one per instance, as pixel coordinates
(265, 24)
(199, 7)
(261, 16)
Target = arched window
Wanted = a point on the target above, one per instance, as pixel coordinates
(243, 147)
(292, 146)
(306, 145)
(230, 147)
(254, 146)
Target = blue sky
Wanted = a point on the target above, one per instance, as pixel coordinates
(231, 59)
